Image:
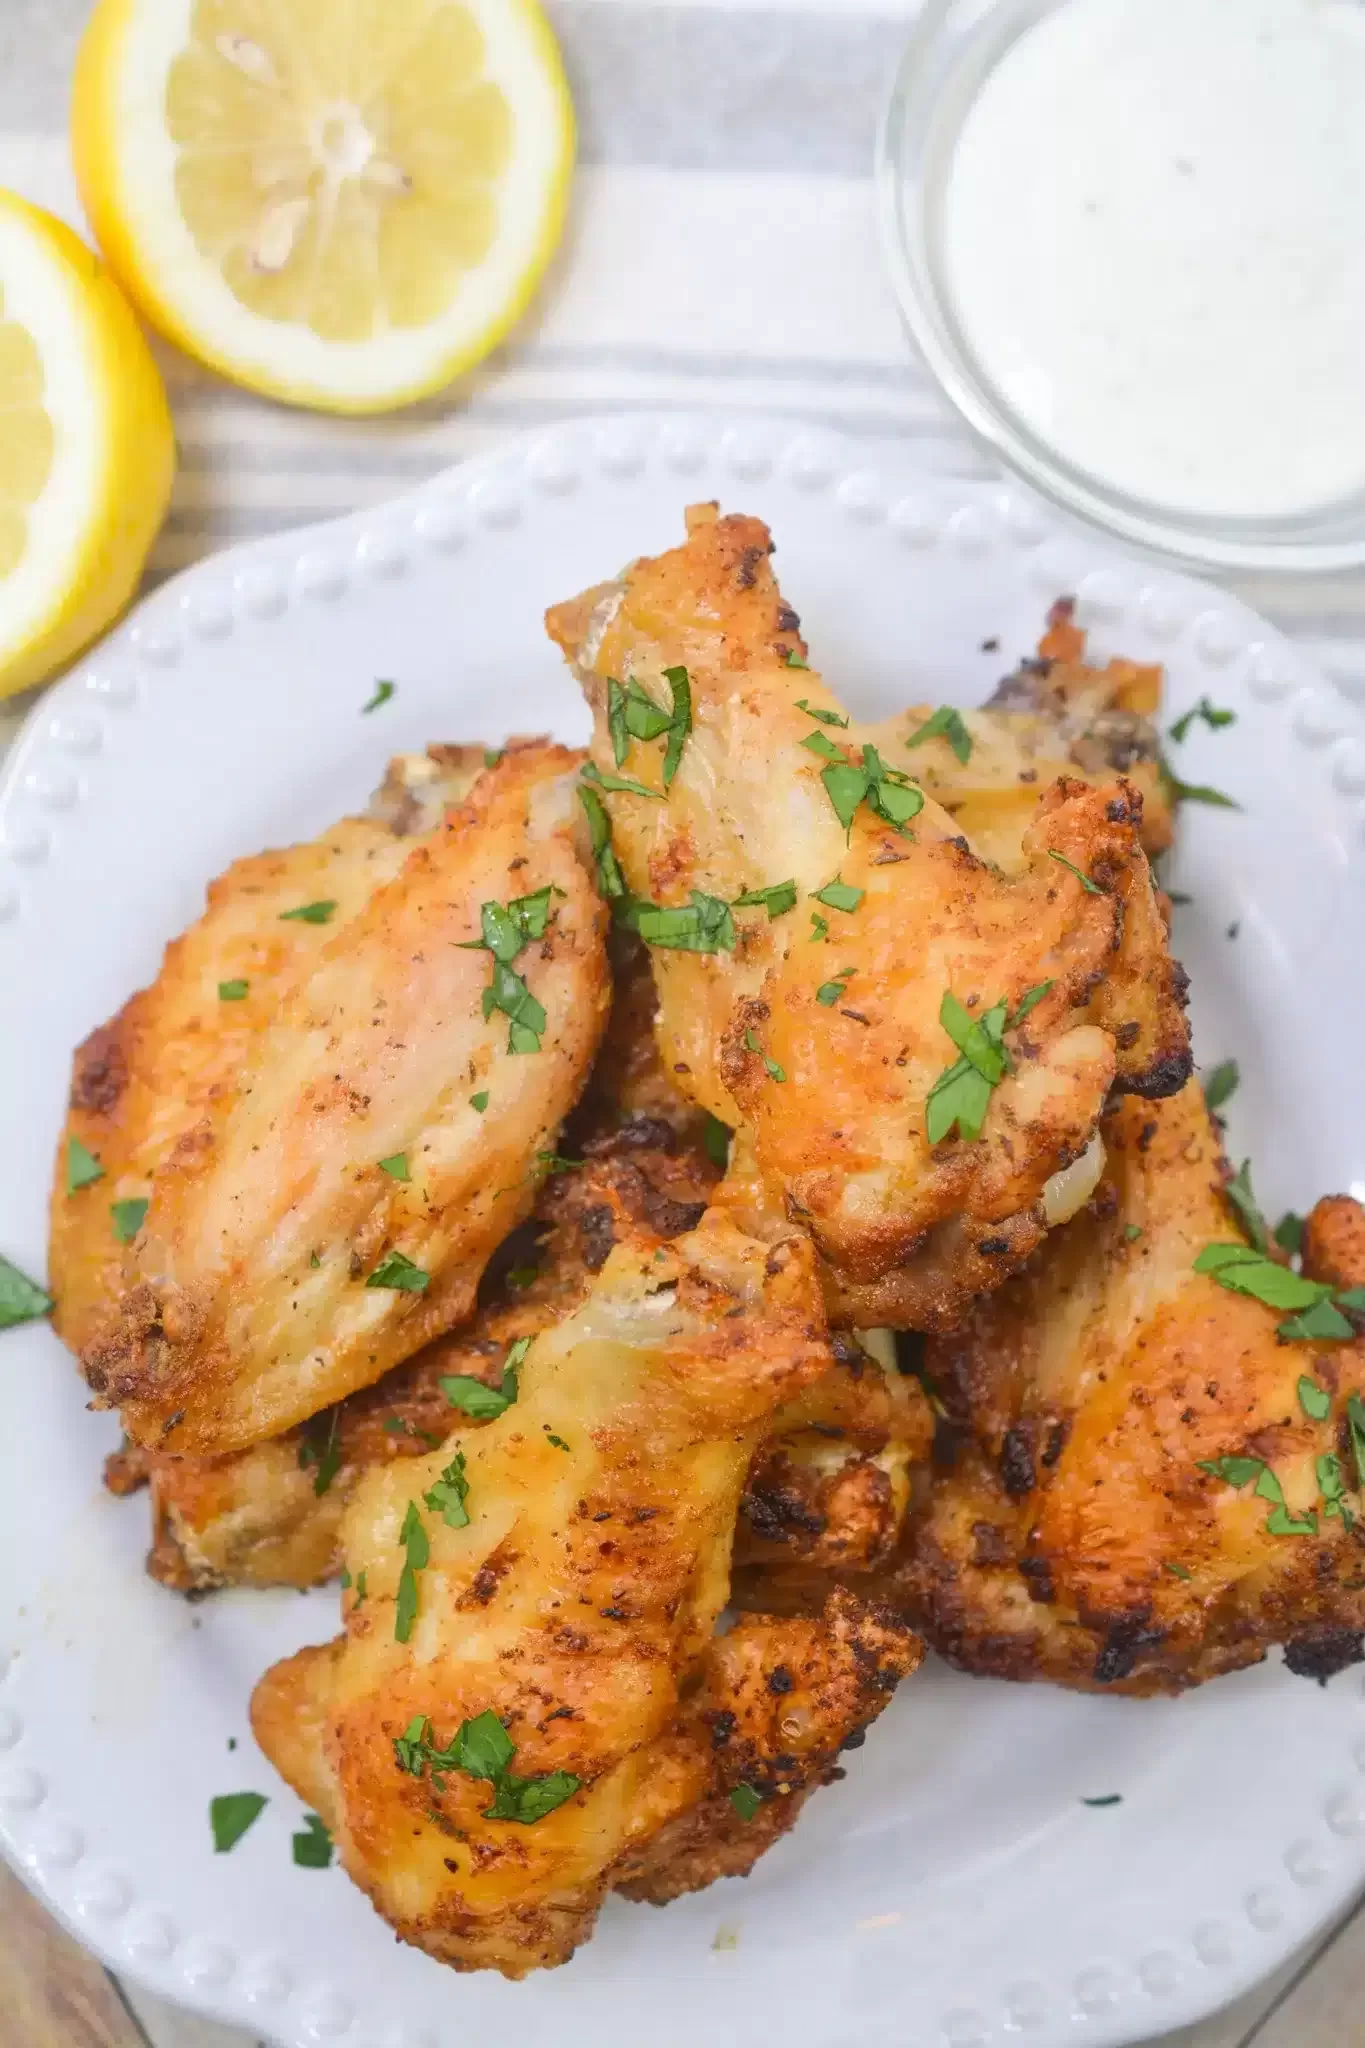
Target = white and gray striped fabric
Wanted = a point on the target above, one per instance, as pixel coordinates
(722, 255)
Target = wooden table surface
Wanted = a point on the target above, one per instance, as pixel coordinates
(53, 1995)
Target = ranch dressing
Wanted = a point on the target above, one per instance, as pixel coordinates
(1154, 238)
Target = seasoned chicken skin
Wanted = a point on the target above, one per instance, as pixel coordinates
(574, 1608)
(1075, 1532)
(820, 1027)
(281, 1265)
(143, 1080)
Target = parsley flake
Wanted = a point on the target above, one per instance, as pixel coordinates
(888, 793)
(1239, 1472)
(1132, 1232)
(382, 693)
(775, 1072)
(482, 1748)
(1108, 1799)
(82, 1167)
(819, 929)
(777, 899)
(947, 723)
(619, 785)
(746, 1801)
(479, 1401)
(1197, 793)
(479, 1102)
(449, 1495)
(1355, 1419)
(320, 1451)
(831, 992)
(840, 895)
(795, 660)
(702, 926)
(417, 1548)
(1238, 1193)
(492, 756)
(610, 881)
(361, 1589)
(815, 710)
(506, 930)
(1091, 888)
(962, 1094)
(715, 1140)
(1180, 1571)
(128, 1217)
(231, 1814)
(1314, 1400)
(557, 1441)
(233, 991)
(1212, 716)
(1221, 1085)
(309, 913)
(1332, 1487)
(313, 1844)
(1289, 1233)
(398, 1272)
(396, 1166)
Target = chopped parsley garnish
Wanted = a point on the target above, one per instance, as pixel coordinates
(313, 1844)
(819, 929)
(814, 710)
(523, 1276)
(715, 1140)
(482, 1748)
(480, 1402)
(479, 1101)
(1108, 1799)
(885, 790)
(610, 881)
(1355, 1420)
(128, 1217)
(449, 1495)
(417, 1546)
(320, 1451)
(1132, 1231)
(492, 756)
(702, 926)
(948, 724)
(231, 1814)
(82, 1167)
(633, 714)
(233, 991)
(21, 1301)
(309, 913)
(313, 1260)
(1180, 1571)
(795, 660)
(1196, 793)
(1091, 888)
(1221, 1085)
(831, 992)
(398, 1272)
(361, 1589)
(382, 693)
(619, 785)
(1314, 1400)
(962, 1094)
(557, 1441)
(398, 1425)
(1240, 1472)
(820, 743)
(1212, 716)
(840, 895)
(1323, 1322)
(775, 1072)
(1289, 1233)
(1332, 1487)
(777, 899)
(396, 1166)
(746, 1801)
(548, 1163)
(1242, 1270)
(1238, 1192)
(506, 930)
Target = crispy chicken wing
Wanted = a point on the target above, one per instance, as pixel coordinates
(548, 1639)
(144, 1079)
(281, 1265)
(820, 1027)
(1076, 1532)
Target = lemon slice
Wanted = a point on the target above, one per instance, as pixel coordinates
(342, 203)
(86, 448)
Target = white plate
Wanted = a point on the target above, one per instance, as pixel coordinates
(954, 1892)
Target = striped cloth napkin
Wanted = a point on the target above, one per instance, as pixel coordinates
(722, 255)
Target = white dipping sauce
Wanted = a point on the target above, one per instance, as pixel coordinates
(1154, 235)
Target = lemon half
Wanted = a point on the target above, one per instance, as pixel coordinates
(341, 203)
(86, 448)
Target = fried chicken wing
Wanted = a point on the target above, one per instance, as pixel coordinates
(820, 1028)
(281, 1265)
(568, 1611)
(144, 1079)
(1084, 1527)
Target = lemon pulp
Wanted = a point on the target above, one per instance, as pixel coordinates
(26, 438)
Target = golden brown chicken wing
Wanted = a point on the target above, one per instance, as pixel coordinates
(334, 1208)
(830, 951)
(484, 1739)
(1141, 1485)
(144, 1079)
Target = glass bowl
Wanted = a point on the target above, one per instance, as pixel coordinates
(952, 51)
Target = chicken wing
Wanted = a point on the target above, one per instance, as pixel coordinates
(1135, 1490)
(334, 1208)
(483, 1739)
(143, 1080)
(828, 1041)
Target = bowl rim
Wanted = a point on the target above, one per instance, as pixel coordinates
(1222, 544)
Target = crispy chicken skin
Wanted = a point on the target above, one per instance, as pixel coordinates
(835, 1094)
(250, 1308)
(1072, 1535)
(148, 1076)
(577, 1604)
(1055, 718)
